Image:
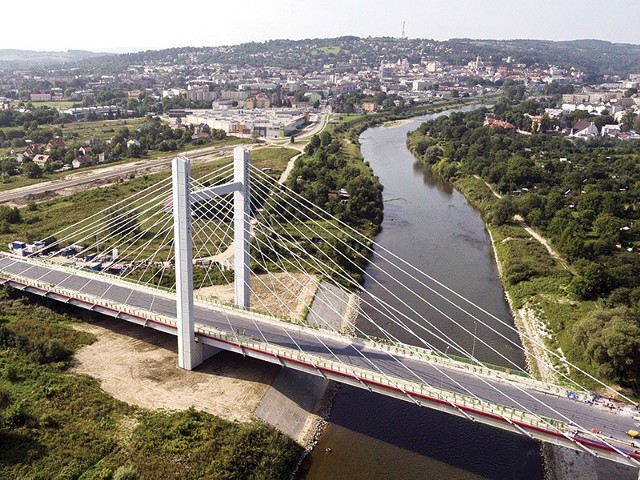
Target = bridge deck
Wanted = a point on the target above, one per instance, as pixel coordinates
(402, 374)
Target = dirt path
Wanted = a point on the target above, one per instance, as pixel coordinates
(554, 253)
(543, 241)
(561, 463)
(139, 366)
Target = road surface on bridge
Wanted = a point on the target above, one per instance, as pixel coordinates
(336, 347)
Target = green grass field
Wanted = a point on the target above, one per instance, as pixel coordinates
(330, 49)
(63, 104)
(40, 221)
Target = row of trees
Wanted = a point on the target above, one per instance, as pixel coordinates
(583, 195)
(41, 115)
(152, 135)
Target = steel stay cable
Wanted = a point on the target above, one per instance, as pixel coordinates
(423, 381)
(80, 226)
(426, 286)
(100, 214)
(523, 334)
(526, 393)
(151, 190)
(108, 226)
(324, 344)
(335, 331)
(387, 334)
(449, 341)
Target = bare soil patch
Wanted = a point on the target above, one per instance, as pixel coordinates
(139, 366)
(281, 294)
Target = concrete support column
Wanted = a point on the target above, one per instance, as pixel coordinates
(190, 353)
(241, 226)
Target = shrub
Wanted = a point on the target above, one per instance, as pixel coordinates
(50, 351)
(518, 272)
(5, 398)
(126, 473)
(48, 421)
(16, 415)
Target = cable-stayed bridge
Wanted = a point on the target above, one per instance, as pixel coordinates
(126, 260)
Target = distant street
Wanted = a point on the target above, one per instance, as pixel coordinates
(110, 174)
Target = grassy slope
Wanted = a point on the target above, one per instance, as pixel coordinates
(54, 215)
(59, 425)
(546, 291)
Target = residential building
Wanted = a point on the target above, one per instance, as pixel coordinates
(584, 129)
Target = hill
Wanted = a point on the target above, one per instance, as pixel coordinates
(13, 58)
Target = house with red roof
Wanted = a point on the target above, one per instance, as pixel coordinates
(495, 123)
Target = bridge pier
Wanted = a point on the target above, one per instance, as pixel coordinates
(241, 226)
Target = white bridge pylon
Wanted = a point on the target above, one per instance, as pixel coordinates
(190, 352)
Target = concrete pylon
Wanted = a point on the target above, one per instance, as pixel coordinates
(191, 353)
(241, 226)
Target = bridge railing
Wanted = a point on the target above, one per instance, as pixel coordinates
(49, 288)
(414, 390)
(493, 371)
(469, 406)
(437, 358)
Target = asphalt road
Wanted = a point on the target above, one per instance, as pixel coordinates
(101, 174)
(334, 347)
(123, 170)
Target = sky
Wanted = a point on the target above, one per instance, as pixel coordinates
(134, 25)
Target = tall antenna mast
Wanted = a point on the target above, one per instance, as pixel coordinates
(403, 35)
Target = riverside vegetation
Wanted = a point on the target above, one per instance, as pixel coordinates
(57, 424)
(332, 175)
(582, 196)
(43, 405)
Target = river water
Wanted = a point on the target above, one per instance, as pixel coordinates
(369, 436)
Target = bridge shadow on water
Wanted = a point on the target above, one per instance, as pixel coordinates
(471, 449)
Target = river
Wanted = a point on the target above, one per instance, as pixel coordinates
(370, 436)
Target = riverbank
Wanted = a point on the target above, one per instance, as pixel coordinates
(535, 334)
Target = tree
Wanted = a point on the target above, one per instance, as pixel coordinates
(607, 227)
(134, 150)
(433, 154)
(503, 211)
(10, 215)
(31, 170)
(611, 340)
(325, 138)
(314, 143)
(628, 120)
(593, 281)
